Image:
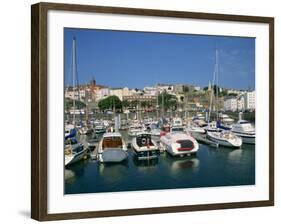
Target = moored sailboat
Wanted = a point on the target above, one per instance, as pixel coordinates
(73, 150)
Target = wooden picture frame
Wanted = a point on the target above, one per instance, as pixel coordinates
(39, 108)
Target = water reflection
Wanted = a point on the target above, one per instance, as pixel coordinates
(69, 176)
(75, 170)
(235, 155)
(113, 172)
(184, 163)
(145, 164)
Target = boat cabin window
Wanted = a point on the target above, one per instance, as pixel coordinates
(177, 130)
(112, 142)
(244, 122)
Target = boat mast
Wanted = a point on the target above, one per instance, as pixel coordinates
(74, 75)
(217, 87)
(212, 88)
(157, 106)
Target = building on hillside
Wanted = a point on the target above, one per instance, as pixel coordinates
(241, 103)
(250, 100)
(139, 98)
(101, 93)
(120, 92)
(230, 104)
(164, 87)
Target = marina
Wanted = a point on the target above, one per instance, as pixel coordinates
(162, 136)
(211, 166)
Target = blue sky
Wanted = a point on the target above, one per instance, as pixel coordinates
(138, 59)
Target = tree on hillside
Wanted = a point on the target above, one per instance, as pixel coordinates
(110, 103)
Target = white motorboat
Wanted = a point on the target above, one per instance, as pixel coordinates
(112, 148)
(135, 129)
(177, 121)
(145, 147)
(195, 129)
(100, 128)
(211, 127)
(225, 122)
(244, 130)
(199, 120)
(225, 138)
(226, 119)
(179, 144)
(177, 129)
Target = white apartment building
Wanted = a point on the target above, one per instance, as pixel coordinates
(120, 92)
(250, 100)
(230, 104)
(241, 103)
(247, 101)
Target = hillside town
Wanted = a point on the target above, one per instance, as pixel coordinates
(184, 97)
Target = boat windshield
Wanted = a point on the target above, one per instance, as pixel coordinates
(244, 122)
(144, 140)
(112, 142)
(177, 129)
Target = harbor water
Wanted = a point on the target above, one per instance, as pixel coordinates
(211, 167)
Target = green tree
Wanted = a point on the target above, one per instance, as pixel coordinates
(143, 104)
(125, 103)
(109, 103)
(167, 100)
(232, 94)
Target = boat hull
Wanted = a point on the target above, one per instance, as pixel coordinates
(146, 155)
(70, 159)
(113, 156)
(173, 152)
(144, 152)
(226, 143)
(247, 138)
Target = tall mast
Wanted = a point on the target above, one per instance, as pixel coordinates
(157, 106)
(74, 77)
(217, 87)
(212, 88)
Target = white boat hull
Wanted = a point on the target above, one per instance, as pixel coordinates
(70, 159)
(144, 153)
(113, 156)
(248, 139)
(232, 143)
